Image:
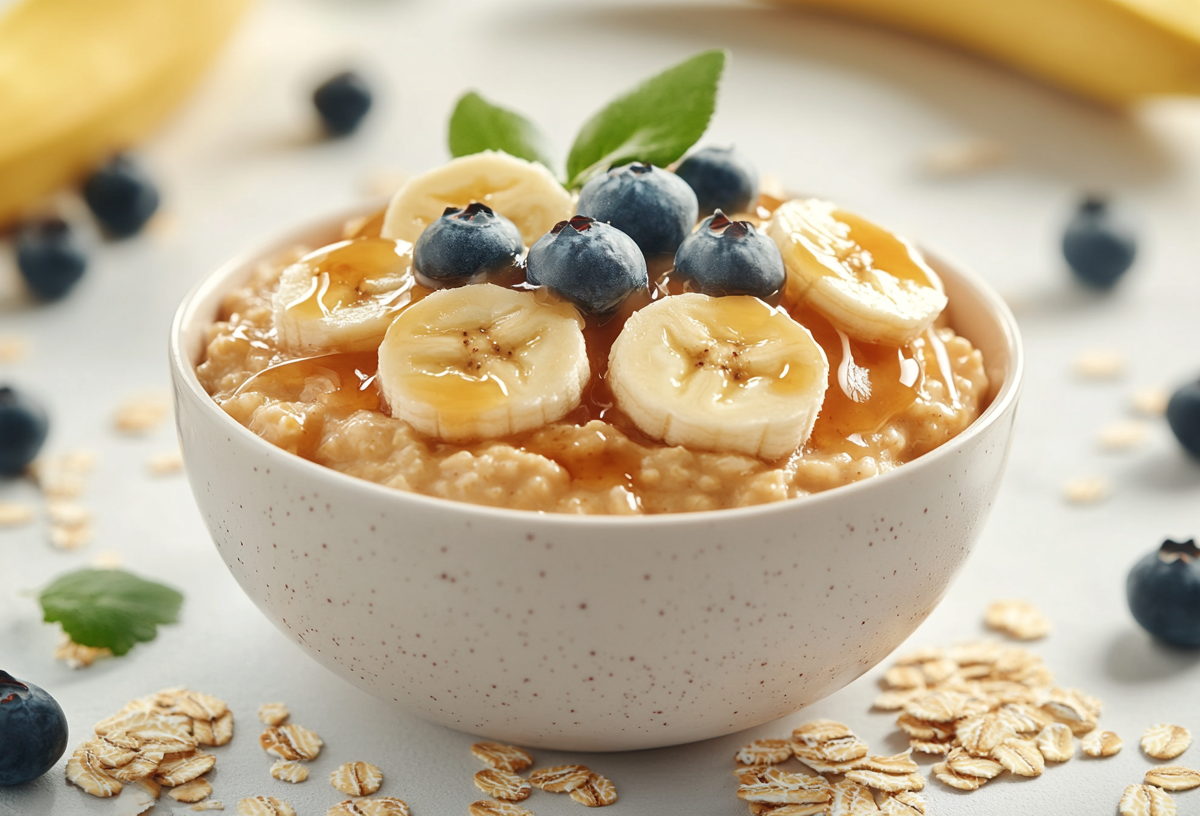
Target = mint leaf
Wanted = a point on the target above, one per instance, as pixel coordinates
(477, 125)
(655, 123)
(109, 608)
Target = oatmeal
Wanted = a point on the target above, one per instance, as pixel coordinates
(884, 402)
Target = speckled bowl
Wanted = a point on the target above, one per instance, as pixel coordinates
(591, 633)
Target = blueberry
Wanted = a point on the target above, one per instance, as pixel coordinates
(652, 206)
(590, 263)
(50, 257)
(342, 101)
(724, 257)
(1164, 593)
(1098, 244)
(23, 429)
(34, 731)
(466, 242)
(723, 179)
(121, 196)
(1183, 415)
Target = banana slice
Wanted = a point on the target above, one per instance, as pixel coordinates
(868, 282)
(343, 296)
(719, 373)
(481, 361)
(523, 192)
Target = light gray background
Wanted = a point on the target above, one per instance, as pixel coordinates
(834, 108)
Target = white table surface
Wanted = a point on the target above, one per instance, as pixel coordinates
(830, 107)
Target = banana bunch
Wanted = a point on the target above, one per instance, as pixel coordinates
(81, 79)
(1111, 51)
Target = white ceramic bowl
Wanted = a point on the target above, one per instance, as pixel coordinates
(591, 633)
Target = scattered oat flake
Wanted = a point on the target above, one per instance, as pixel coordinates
(816, 732)
(765, 752)
(964, 157)
(1166, 741)
(1021, 757)
(1151, 401)
(382, 806)
(503, 757)
(1173, 777)
(1056, 742)
(194, 791)
(560, 778)
(895, 699)
(273, 713)
(773, 786)
(77, 656)
(598, 792)
(1145, 800)
(145, 764)
(937, 706)
(13, 349)
(1086, 490)
(944, 774)
(71, 538)
(165, 463)
(1099, 364)
(905, 677)
(1101, 744)
(964, 764)
(142, 413)
(14, 514)
(905, 803)
(109, 753)
(289, 771)
(214, 732)
(1017, 618)
(290, 742)
(851, 799)
(209, 805)
(264, 806)
(84, 770)
(185, 768)
(1121, 436)
(898, 764)
(109, 559)
(200, 706)
(489, 808)
(932, 747)
(357, 778)
(889, 783)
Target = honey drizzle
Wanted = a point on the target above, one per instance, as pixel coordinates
(869, 384)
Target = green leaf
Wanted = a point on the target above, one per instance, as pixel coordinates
(477, 125)
(655, 123)
(109, 608)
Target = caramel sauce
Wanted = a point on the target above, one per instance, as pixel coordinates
(868, 384)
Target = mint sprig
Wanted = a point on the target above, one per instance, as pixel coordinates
(477, 125)
(653, 123)
(110, 609)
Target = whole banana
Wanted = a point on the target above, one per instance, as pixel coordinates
(81, 79)
(1111, 51)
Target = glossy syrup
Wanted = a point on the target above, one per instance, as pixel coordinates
(869, 384)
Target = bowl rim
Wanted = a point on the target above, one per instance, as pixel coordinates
(183, 371)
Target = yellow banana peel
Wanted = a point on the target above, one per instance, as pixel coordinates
(1111, 51)
(81, 79)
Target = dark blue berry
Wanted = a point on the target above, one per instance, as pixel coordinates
(652, 206)
(50, 257)
(1183, 415)
(121, 196)
(1098, 244)
(23, 429)
(723, 179)
(33, 731)
(724, 257)
(465, 243)
(1164, 593)
(342, 100)
(589, 263)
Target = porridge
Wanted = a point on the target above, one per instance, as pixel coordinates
(518, 386)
